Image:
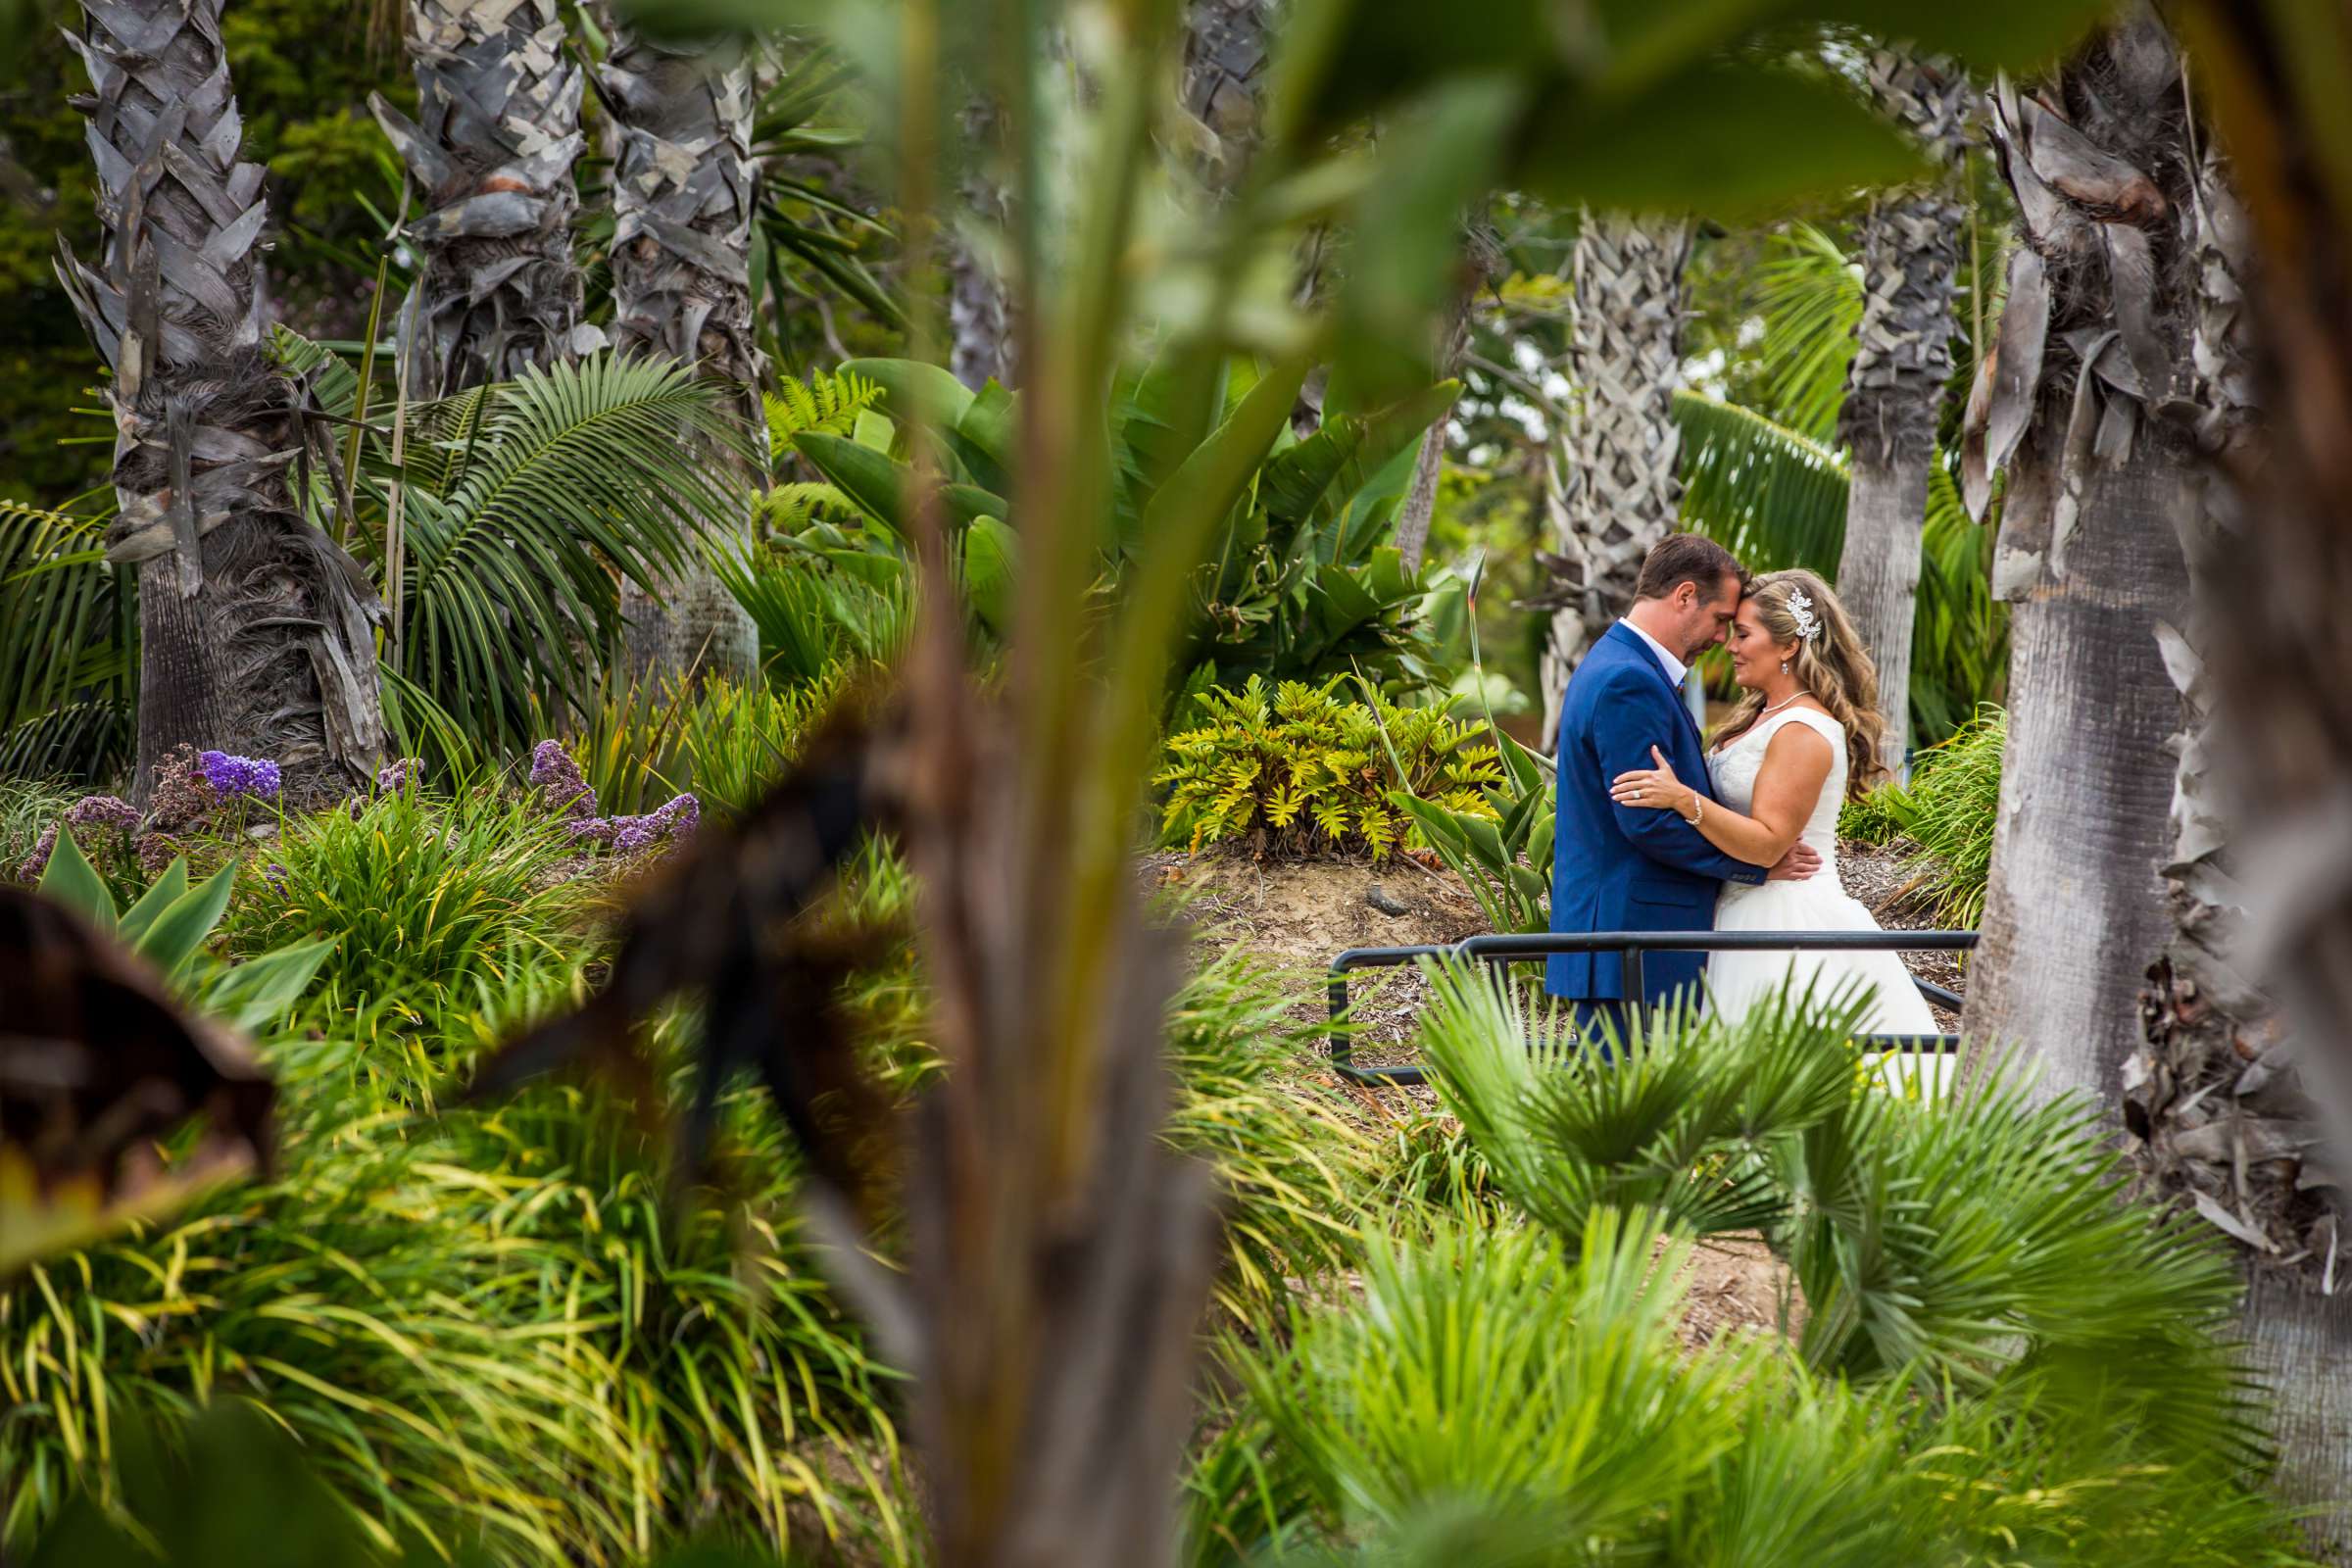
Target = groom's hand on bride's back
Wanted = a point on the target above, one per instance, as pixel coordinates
(1801, 862)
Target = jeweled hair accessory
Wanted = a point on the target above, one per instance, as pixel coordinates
(1800, 610)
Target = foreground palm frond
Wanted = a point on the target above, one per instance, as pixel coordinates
(1982, 1242)
(1500, 1397)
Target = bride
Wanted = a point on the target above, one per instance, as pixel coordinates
(1803, 738)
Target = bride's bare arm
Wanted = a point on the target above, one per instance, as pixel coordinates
(1796, 765)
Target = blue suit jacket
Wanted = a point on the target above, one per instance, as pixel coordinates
(1624, 868)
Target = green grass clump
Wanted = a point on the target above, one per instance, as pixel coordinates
(1945, 819)
(1956, 803)
(26, 807)
(425, 896)
(496, 1327)
(725, 744)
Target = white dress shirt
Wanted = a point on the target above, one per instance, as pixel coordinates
(1676, 669)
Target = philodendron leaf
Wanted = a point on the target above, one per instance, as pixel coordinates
(165, 892)
(915, 390)
(73, 882)
(172, 940)
(990, 552)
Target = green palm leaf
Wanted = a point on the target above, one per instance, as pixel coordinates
(1811, 301)
(1774, 497)
(527, 502)
(69, 649)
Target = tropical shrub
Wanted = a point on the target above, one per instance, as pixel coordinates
(1304, 769)
(1301, 582)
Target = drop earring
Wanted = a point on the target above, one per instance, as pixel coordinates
(1784, 667)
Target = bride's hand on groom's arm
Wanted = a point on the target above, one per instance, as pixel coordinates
(1655, 789)
(1659, 788)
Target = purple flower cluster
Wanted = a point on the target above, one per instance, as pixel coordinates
(675, 822)
(157, 852)
(558, 777)
(407, 772)
(238, 775)
(101, 811)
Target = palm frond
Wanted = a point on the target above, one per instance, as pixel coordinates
(68, 646)
(1811, 300)
(1770, 495)
(527, 502)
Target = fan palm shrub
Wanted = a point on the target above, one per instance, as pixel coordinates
(1975, 1242)
(2001, 1355)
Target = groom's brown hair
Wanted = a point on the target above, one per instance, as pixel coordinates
(1681, 558)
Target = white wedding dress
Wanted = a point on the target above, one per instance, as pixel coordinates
(1740, 981)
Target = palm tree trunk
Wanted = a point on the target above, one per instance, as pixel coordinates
(1894, 384)
(1620, 493)
(684, 188)
(980, 328)
(2151, 251)
(2087, 778)
(498, 131)
(255, 629)
(1227, 47)
(1482, 259)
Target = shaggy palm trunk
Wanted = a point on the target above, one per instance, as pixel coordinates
(1227, 47)
(1619, 493)
(255, 629)
(2096, 321)
(684, 188)
(1894, 385)
(492, 149)
(2148, 238)
(979, 309)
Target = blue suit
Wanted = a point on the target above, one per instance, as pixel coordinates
(1629, 869)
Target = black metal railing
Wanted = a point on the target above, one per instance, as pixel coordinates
(1521, 948)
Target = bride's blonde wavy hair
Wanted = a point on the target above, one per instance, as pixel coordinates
(1833, 666)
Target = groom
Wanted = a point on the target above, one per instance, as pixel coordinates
(1619, 868)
